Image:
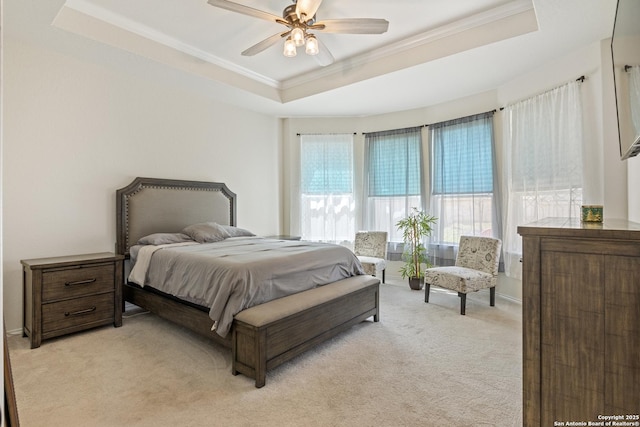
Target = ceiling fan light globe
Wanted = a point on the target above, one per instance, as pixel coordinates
(297, 35)
(289, 48)
(312, 47)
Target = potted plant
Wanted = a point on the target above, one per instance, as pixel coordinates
(415, 227)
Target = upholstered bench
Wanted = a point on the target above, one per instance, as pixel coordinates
(269, 334)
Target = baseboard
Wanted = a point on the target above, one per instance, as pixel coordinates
(509, 298)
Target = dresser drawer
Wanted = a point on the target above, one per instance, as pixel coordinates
(78, 281)
(79, 311)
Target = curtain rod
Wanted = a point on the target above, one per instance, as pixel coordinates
(580, 79)
(391, 130)
(332, 133)
(486, 112)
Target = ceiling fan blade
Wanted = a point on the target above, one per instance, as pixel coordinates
(245, 10)
(324, 56)
(307, 7)
(264, 44)
(352, 26)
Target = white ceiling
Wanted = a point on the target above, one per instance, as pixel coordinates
(433, 52)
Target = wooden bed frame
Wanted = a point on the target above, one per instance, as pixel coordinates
(152, 205)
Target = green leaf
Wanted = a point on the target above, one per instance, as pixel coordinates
(415, 228)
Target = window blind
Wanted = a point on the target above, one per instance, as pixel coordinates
(394, 162)
(326, 164)
(462, 155)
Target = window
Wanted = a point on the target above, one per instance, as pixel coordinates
(394, 178)
(462, 181)
(327, 207)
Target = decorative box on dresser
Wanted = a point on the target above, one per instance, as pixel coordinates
(70, 294)
(580, 321)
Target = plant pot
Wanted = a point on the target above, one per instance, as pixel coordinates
(416, 283)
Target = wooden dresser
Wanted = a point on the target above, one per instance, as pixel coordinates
(71, 293)
(581, 321)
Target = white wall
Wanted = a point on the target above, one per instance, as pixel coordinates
(76, 131)
(605, 175)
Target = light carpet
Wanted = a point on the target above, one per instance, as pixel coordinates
(421, 365)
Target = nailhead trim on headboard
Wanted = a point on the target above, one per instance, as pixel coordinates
(124, 195)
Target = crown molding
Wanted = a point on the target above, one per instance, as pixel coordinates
(141, 30)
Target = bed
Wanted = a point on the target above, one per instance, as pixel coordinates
(265, 333)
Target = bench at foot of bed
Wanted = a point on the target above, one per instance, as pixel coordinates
(269, 334)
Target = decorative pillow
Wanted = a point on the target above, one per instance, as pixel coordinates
(164, 239)
(236, 232)
(206, 232)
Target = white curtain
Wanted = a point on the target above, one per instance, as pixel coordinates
(543, 159)
(327, 203)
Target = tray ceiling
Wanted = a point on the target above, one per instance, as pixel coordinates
(434, 50)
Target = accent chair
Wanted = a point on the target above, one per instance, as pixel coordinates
(371, 249)
(476, 268)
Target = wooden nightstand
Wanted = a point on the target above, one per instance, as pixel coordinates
(70, 294)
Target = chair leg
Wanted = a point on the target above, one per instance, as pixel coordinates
(426, 292)
(463, 302)
(383, 271)
(492, 296)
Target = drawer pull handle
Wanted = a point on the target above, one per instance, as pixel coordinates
(79, 282)
(80, 312)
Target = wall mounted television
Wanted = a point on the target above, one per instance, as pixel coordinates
(625, 52)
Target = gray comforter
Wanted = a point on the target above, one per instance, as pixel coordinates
(238, 273)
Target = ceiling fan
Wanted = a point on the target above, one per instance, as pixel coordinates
(300, 20)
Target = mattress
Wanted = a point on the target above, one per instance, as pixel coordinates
(240, 272)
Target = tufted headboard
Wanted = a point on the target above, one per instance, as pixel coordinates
(156, 205)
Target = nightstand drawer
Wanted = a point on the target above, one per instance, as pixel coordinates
(79, 311)
(74, 282)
